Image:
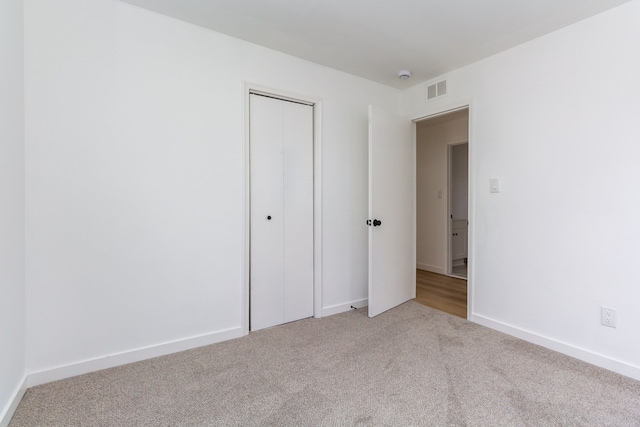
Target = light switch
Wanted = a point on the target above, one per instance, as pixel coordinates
(495, 185)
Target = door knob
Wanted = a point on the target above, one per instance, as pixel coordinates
(376, 222)
(269, 217)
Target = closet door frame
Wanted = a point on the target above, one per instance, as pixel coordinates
(316, 103)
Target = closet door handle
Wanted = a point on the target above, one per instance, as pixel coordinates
(377, 222)
(269, 217)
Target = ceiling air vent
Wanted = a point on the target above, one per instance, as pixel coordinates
(437, 89)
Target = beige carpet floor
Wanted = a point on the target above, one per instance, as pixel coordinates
(410, 366)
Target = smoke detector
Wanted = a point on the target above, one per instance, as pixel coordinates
(404, 74)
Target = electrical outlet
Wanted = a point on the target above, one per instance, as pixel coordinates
(609, 317)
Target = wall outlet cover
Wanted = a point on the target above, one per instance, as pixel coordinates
(609, 317)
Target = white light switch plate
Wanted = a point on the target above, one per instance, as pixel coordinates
(494, 185)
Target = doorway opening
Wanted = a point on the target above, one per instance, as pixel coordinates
(442, 211)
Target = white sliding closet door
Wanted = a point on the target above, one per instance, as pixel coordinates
(281, 158)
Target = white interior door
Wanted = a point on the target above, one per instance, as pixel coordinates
(392, 195)
(281, 254)
(458, 205)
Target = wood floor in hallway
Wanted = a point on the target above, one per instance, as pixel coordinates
(441, 292)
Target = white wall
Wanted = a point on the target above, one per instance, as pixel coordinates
(135, 180)
(431, 188)
(12, 284)
(556, 120)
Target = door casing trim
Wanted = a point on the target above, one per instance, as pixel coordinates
(446, 109)
(316, 102)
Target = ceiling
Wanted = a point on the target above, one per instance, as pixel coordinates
(374, 39)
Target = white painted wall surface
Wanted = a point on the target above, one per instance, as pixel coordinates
(135, 179)
(556, 120)
(431, 177)
(12, 284)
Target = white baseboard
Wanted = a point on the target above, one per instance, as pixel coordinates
(431, 268)
(12, 405)
(341, 308)
(110, 361)
(600, 360)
